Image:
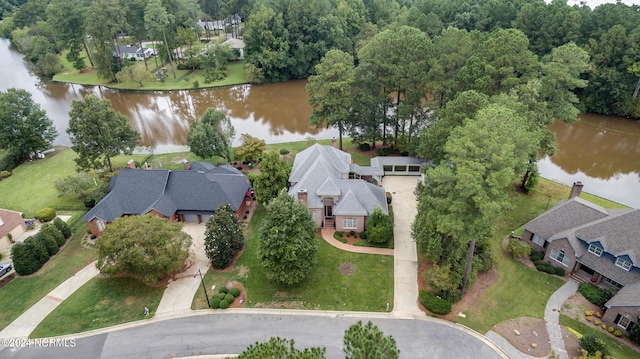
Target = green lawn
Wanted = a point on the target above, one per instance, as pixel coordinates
(31, 187)
(21, 293)
(618, 349)
(100, 303)
(184, 78)
(370, 288)
(519, 291)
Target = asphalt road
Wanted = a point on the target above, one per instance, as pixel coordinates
(230, 333)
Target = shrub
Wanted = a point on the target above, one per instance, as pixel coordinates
(364, 146)
(434, 304)
(229, 298)
(352, 233)
(598, 314)
(215, 303)
(610, 329)
(537, 262)
(46, 214)
(52, 231)
(452, 297)
(39, 249)
(588, 313)
(559, 271)
(593, 344)
(603, 326)
(221, 295)
(363, 235)
(634, 334)
(196, 84)
(284, 151)
(596, 322)
(546, 267)
(24, 260)
(223, 290)
(589, 318)
(234, 291)
(536, 255)
(594, 294)
(224, 304)
(4, 174)
(89, 202)
(617, 333)
(63, 227)
(518, 248)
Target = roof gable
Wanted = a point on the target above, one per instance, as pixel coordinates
(350, 205)
(618, 234)
(628, 296)
(566, 215)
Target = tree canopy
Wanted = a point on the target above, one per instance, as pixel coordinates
(280, 348)
(368, 342)
(288, 244)
(223, 236)
(24, 127)
(145, 247)
(211, 135)
(98, 133)
(273, 177)
(251, 148)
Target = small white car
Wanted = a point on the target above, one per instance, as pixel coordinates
(5, 268)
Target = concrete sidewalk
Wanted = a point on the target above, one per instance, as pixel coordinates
(552, 316)
(405, 289)
(29, 320)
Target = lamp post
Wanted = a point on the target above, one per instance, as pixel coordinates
(206, 295)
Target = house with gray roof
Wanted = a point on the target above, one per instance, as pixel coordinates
(334, 190)
(189, 195)
(597, 245)
(12, 226)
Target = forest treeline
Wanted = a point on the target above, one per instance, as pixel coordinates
(286, 39)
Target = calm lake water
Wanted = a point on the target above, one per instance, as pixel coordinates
(603, 152)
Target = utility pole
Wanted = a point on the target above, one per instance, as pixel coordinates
(206, 295)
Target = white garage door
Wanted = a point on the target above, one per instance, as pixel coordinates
(191, 218)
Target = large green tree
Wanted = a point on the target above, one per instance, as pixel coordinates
(282, 349)
(288, 245)
(24, 126)
(145, 247)
(330, 91)
(273, 176)
(97, 133)
(211, 135)
(156, 21)
(223, 237)
(251, 148)
(368, 342)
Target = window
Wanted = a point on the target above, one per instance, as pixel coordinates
(349, 223)
(100, 224)
(623, 322)
(560, 256)
(537, 240)
(623, 264)
(613, 283)
(595, 250)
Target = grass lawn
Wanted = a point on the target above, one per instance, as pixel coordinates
(21, 293)
(100, 303)
(519, 291)
(618, 349)
(31, 187)
(184, 78)
(370, 287)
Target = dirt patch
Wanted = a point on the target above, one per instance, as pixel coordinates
(243, 271)
(571, 343)
(528, 335)
(347, 268)
(575, 307)
(294, 304)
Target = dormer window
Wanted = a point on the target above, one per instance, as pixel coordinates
(623, 264)
(595, 250)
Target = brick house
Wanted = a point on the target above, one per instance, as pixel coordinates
(11, 223)
(597, 245)
(323, 178)
(189, 195)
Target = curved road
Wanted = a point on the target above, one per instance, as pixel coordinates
(232, 331)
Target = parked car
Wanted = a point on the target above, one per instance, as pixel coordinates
(5, 268)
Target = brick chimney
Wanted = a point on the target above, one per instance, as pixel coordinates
(131, 163)
(302, 196)
(576, 189)
(186, 164)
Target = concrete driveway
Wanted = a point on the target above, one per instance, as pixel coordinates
(405, 290)
(178, 296)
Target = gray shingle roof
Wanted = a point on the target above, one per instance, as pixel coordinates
(322, 171)
(618, 234)
(139, 191)
(566, 215)
(629, 296)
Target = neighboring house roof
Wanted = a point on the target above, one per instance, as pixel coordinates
(564, 216)
(126, 49)
(323, 171)
(234, 43)
(200, 189)
(9, 220)
(628, 296)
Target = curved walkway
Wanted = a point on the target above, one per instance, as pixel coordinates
(327, 235)
(552, 315)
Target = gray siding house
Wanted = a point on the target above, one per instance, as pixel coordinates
(594, 244)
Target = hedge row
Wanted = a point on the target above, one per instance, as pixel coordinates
(434, 304)
(595, 295)
(35, 251)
